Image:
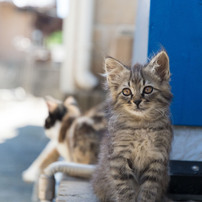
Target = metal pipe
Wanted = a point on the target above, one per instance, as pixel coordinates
(46, 184)
(83, 75)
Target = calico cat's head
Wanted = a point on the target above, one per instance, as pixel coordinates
(140, 91)
(56, 111)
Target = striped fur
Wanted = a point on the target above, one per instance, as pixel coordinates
(133, 162)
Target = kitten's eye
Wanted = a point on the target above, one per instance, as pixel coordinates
(126, 91)
(148, 89)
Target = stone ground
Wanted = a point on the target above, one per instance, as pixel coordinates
(21, 140)
(16, 155)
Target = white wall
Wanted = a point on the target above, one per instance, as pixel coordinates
(140, 47)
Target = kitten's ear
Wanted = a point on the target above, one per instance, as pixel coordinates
(114, 69)
(159, 64)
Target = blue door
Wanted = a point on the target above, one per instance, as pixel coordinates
(176, 26)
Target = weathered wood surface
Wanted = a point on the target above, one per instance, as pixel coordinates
(80, 190)
(75, 190)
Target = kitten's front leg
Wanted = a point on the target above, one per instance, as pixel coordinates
(153, 182)
(124, 181)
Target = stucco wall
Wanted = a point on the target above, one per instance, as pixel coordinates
(114, 25)
(13, 23)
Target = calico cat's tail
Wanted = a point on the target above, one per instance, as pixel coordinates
(46, 184)
(70, 169)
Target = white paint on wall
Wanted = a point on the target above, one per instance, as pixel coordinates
(77, 29)
(67, 83)
(62, 8)
(83, 76)
(140, 47)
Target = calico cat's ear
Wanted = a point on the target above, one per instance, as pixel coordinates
(51, 105)
(70, 101)
(114, 69)
(159, 65)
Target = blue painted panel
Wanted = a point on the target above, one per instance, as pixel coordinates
(176, 25)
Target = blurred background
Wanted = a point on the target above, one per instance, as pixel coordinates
(57, 47)
(41, 41)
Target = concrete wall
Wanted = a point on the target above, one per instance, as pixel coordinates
(113, 31)
(13, 23)
(114, 24)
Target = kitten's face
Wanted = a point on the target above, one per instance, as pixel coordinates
(142, 91)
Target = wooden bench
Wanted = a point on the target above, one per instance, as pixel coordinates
(75, 190)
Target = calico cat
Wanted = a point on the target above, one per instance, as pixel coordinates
(57, 111)
(80, 136)
(74, 137)
(86, 134)
(133, 162)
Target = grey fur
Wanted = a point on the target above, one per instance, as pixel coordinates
(133, 160)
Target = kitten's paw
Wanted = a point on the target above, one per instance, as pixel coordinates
(30, 175)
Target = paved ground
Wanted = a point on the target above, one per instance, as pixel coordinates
(15, 156)
(21, 140)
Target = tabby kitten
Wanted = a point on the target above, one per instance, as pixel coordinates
(133, 162)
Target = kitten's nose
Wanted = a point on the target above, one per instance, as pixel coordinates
(137, 102)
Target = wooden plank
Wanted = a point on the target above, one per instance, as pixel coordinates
(75, 190)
